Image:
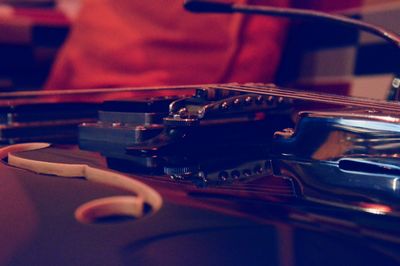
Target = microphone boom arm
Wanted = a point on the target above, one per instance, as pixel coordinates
(218, 7)
(205, 6)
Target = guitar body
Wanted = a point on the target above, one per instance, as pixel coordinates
(215, 174)
(189, 186)
(192, 226)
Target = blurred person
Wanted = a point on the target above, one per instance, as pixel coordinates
(117, 43)
(69, 7)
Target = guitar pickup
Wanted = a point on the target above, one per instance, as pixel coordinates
(123, 123)
(219, 120)
(44, 121)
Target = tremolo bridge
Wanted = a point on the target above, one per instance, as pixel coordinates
(349, 146)
(344, 151)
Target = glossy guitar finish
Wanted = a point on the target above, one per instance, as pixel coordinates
(194, 225)
(238, 177)
(291, 197)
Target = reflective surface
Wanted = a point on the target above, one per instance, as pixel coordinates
(352, 152)
(246, 179)
(197, 226)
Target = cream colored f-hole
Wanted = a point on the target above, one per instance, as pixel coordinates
(98, 208)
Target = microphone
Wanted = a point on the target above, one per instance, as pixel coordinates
(207, 6)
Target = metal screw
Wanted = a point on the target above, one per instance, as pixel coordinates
(270, 99)
(235, 174)
(248, 100)
(259, 99)
(223, 176)
(183, 112)
(258, 169)
(224, 105)
(247, 172)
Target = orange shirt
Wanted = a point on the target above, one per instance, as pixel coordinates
(156, 42)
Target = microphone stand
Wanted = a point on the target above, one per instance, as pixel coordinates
(206, 6)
